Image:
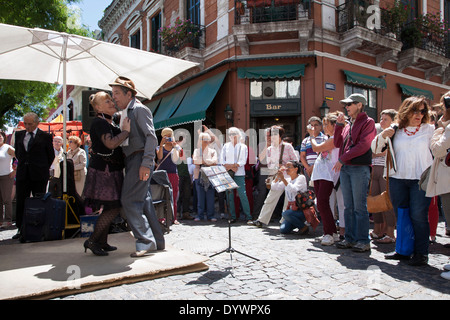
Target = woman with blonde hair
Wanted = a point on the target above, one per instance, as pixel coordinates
(411, 139)
(105, 173)
(78, 156)
(168, 154)
(203, 156)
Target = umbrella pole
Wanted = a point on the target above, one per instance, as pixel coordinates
(64, 60)
(66, 197)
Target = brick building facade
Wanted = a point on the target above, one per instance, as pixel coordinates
(283, 61)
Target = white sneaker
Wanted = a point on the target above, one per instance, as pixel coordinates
(447, 267)
(446, 275)
(327, 240)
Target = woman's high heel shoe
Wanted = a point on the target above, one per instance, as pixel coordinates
(95, 248)
(107, 247)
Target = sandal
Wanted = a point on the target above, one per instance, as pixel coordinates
(374, 236)
(385, 240)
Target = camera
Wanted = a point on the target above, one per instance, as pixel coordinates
(447, 102)
(169, 139)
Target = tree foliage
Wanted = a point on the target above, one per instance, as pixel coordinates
(19, 97)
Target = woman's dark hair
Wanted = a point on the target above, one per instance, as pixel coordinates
(4, 136)
(298, 165)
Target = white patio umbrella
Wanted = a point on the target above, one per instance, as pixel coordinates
(61, 58)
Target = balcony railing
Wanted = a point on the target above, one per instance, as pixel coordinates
(415, 34)
(196, 41)
(355, 13)
(260, 11)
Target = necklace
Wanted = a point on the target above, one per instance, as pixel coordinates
(411, 133)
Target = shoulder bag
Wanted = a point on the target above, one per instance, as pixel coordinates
(381, 202)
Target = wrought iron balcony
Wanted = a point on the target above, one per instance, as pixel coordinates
(196, 40)
(261, 11)
(355, 13)
(416, 34)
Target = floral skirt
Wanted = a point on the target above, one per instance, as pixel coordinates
(103, 187)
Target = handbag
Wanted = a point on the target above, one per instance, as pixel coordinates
(381, 202)
(447, 159)
(77, 175)
(311, 217)
(424, 177)
(404, 243)
(305, 199)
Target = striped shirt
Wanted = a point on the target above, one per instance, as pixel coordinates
(306, 146)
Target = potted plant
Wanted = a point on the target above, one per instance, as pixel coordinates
(179, 35)
(426, 31)
(393, 18)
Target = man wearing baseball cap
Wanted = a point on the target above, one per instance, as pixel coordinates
(140, 154)
(355, 158)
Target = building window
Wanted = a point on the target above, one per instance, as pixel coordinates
(274, 89)
(155, 39)
(135, 40)
(369, 94)
(193, 11)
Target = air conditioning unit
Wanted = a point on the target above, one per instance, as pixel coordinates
(268, 90)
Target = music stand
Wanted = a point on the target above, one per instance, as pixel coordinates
(230, 249)
(222, 182)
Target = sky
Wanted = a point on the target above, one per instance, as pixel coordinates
(92, 12)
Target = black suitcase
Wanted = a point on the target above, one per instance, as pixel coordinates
(44, 219)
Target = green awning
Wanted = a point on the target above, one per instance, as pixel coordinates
(272, 72)
(196, 101)
(412, 91)
(365, 80)
(153, 105)
(167, 108)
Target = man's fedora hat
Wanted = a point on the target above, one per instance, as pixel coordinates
(124, 82)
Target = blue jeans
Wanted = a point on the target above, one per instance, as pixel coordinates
(240, 181)
(355, 185)
(205, 201)
(292, 219)
(407, 194)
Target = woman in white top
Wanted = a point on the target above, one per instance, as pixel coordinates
(325, 178)
(204, 156)
(79, 158)
(411, 151)
(234, 157)
(7, 174)
(294, 182)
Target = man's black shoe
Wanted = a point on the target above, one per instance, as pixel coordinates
(396, 256)
(418, 260)
(16, 236)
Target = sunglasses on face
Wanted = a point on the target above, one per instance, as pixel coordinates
(421, 111)
(349, 104)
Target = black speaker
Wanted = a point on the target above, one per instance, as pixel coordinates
(88, 112)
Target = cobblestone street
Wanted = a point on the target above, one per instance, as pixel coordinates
(289, 267)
